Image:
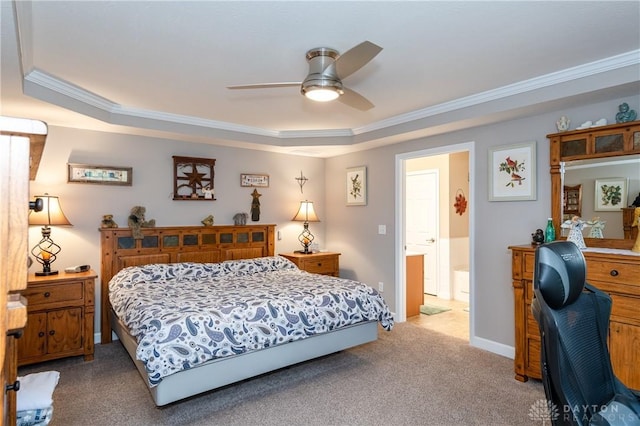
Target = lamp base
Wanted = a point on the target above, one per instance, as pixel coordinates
(303, 252)
(46, 273)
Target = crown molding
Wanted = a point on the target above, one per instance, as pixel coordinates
(45, 87)
(122, 114)
(586, 70)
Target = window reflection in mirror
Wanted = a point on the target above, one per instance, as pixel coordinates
(585, 173)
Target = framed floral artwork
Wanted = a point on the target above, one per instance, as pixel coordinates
(610, 194)
(356, 186)
(512, 172)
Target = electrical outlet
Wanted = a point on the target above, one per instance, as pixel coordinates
(382, 229)
(380, 286)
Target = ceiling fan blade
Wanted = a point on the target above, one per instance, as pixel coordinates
(355, 58)
(355, 100)
(265, 85)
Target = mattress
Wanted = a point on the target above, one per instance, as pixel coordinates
(183, 315)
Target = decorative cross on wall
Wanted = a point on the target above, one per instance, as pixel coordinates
(301, 181)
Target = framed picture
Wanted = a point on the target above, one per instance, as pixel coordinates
(610, 194)
(194, 178)
(356, 186)
(103, 175)
(512, 172)
(259, 181)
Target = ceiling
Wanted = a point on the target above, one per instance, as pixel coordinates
(161, 68)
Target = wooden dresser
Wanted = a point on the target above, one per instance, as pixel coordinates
(325, 263)
(617, 272)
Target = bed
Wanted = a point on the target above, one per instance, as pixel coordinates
(190, 350)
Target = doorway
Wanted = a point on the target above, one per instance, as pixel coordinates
(452, 258)
(421, 221)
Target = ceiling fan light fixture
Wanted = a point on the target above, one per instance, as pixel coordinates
(322, 94)
(321, 89)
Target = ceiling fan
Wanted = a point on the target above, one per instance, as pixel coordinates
(327, 69)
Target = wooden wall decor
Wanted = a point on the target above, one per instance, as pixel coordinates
(193, 178)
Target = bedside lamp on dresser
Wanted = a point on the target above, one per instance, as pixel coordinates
(306, 214)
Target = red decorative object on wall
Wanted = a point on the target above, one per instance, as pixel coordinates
(461, 202)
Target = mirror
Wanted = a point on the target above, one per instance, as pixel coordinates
(571, 201)
(582, 175)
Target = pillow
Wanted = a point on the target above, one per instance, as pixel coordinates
(36, 390)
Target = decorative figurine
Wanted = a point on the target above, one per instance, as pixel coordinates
(136, 221)
(585, 125)
(240, 219)
(108, 222)
(208, 221)
(255, 205)
(601, 122)
(575, 235)
(537, 238)
(625, 114)
(563, 123)
(208, 193)
(597, 226)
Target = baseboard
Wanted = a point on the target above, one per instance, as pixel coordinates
(494, 347)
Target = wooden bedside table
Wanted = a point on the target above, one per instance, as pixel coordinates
(326, 263)
(60, 312)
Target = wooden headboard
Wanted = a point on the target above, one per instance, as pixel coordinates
(176, 244)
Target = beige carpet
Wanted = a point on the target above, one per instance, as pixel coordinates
(410, 376)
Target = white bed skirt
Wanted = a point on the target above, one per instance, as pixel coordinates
(223, 371)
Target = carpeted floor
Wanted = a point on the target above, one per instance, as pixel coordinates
(410, 376)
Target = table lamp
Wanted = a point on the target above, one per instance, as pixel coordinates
(46, 250)
(305, 214)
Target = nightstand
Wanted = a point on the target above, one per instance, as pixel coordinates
(326, 263)
(60, 312)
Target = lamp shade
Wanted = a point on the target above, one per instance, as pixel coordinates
(306, 213)
(51, 213)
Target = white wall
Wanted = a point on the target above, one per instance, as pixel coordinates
(151, 159)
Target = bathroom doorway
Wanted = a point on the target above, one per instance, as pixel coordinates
(449, 265)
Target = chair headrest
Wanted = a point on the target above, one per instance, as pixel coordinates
(560, 272)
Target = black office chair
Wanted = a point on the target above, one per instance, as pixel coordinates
(573, 317)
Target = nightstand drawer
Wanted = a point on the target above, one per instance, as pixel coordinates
(53, 293)
(326, 265)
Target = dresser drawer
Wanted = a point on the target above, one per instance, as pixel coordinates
(612, 272)
(320, 265)
(53, 293)
(528, 265)
(624, 306)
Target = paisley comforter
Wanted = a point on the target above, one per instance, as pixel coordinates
(185, 314)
